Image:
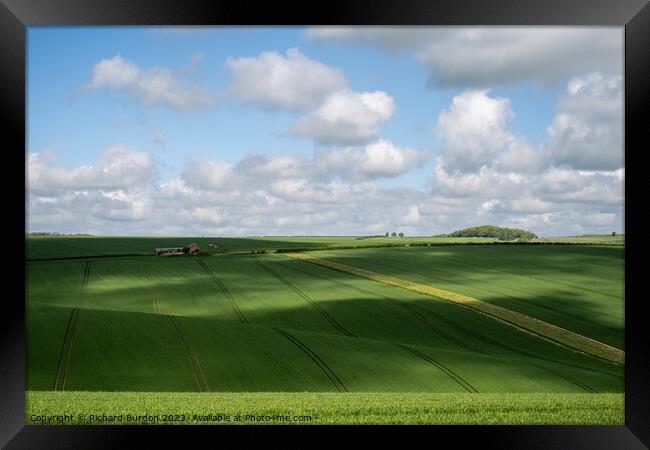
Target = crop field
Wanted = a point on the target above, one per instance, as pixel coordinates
(48, 247)
(220, 328)
(138, 408)
(619, 239)
(577, 288)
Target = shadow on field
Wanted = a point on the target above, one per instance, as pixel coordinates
(119, 350)
(122, 284)
(591, 303)
(448, 342)
(61, 246)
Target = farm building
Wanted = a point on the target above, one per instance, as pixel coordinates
(168, 251)
(190, 249)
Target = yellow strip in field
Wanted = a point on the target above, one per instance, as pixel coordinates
(539, 327)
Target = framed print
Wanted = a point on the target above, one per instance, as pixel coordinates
(323, 220)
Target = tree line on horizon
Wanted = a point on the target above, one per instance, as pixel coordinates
(491, 231)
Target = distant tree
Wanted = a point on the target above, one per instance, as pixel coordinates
(401, 235)
(387, 234)
(393, 234)
(613, 233)
(501, 233)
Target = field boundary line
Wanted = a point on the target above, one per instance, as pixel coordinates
(551, 332)
(329, 373)
(199, 375)
(225, 291)
(308, 299)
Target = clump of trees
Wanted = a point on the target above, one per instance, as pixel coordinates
(393, 234)
(491, 231)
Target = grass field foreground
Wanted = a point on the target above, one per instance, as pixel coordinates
(133, 408)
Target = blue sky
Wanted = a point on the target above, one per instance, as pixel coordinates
(444, 105)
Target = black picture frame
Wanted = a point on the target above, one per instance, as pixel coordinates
(634, 15)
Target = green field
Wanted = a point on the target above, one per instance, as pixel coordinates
(267, 323)
(578, 288)
(137, 408)
(44, 247)
(619, 239)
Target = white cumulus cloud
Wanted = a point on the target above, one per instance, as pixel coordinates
(331, 113)
(475, 129)
(275, 80)
(152, 86)
(379, 159)
(346, 117)
(118, 168)
(587, 131)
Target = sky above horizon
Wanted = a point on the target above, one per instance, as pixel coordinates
(235, 131)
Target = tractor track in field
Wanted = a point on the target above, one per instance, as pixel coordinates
(329, 373)
(578, 383)
(453, 375)
(515, 350)
(225, 290)
(84, 283)
(390, 300)
(66, 348)
(308, 299)
(493, 342)
(412, 309)
(527, 324)
(199, 376)
(154, 296)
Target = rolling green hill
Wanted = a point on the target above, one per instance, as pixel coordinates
(271, 323)
(577, 288)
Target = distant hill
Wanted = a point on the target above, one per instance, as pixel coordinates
(491, 231)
